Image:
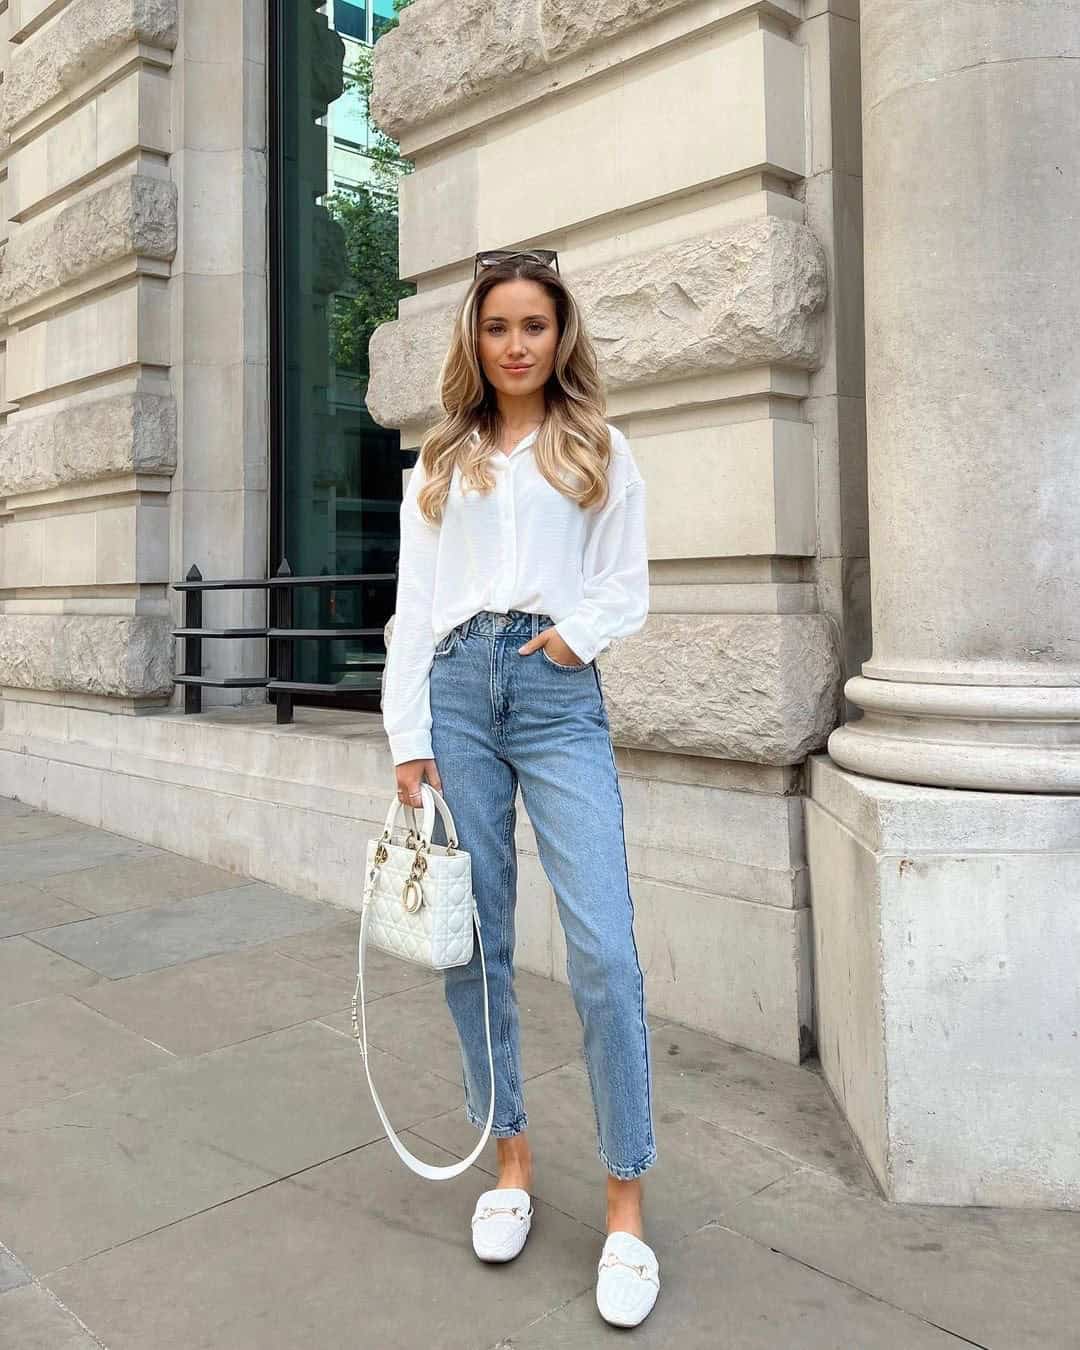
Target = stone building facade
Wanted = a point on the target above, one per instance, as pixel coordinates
(850, 833)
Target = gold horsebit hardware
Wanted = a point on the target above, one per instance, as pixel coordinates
(490, 1210)
(611, 1260)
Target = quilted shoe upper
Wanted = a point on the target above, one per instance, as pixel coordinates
(628, 1279)
(501, 1222)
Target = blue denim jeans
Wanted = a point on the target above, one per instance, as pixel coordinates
(500, 719)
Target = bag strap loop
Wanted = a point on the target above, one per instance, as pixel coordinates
(428, 1170)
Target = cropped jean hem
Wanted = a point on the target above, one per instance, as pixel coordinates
(499, 1131)
(629, 1173)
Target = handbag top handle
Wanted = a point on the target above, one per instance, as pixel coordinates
(432, 799)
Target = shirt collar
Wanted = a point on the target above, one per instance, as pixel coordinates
(518, 449)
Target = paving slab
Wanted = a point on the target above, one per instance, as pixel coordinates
(25, 907)
(33, 1319)
(13, 1274)
(700, 1168)
(785, 1106)
(15, 829)
(219, 1000)
(417, 1026)
(67, 852)
(333, 950)
(104, 1166)
(184, 930)
(1005, 1279)
(720, 1291)
(11, 806)
(139, 883)
(53, 1047)
(348, 1253)
(29, 971)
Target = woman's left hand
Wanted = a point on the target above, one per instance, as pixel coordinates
(560, 653)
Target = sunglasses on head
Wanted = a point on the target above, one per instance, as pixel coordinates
(491, 257)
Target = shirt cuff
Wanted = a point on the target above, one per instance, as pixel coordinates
(406, 745)
(579, 639)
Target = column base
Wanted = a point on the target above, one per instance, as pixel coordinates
(996, 738)
(946, 944)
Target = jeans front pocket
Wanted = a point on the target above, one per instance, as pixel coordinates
(584, 665)
(447, 642)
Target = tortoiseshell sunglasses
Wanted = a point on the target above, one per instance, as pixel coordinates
(490, 257)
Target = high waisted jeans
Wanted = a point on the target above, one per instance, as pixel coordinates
(499, 718)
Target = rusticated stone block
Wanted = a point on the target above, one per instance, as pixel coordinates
(748, 296)
(82, 37)
(134, 216)
(757, 687)
(129, 433)
(467, 47)
(568, 26)
(117, 655)
(463, 50)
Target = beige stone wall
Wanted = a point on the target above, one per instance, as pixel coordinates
(696, 163)
(88, 447)
(132, 299)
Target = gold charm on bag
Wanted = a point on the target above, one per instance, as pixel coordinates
(412, 894)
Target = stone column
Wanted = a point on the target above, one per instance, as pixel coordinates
(973, 396)
(947, 928)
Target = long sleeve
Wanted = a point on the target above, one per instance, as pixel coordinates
(405, 701)
(615, 602)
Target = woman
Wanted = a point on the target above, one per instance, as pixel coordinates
(523, 556)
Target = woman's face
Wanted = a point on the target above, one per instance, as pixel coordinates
(517, 327)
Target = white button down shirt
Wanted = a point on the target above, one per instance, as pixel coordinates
(522, 546)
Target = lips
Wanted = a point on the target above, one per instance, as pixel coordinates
(517, 367)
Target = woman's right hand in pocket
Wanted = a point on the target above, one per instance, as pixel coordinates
(409, 777)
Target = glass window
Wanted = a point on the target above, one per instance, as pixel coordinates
(384, 16)
(350, 19)
(336, 483)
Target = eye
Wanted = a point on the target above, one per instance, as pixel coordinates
(534, 324)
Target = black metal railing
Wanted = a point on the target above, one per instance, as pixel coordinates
(279, 633)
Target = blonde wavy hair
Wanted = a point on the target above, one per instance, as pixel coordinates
(573, 444)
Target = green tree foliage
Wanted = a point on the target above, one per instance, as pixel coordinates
(368, 218)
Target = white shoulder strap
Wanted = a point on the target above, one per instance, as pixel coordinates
(422, 1168)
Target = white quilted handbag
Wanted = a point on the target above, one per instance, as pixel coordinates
(418, 905)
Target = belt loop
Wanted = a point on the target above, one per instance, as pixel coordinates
(535, 624)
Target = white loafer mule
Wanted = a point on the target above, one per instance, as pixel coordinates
(627, 1280)
(501, 1223)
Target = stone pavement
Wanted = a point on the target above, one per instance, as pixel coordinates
(189, 1156)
